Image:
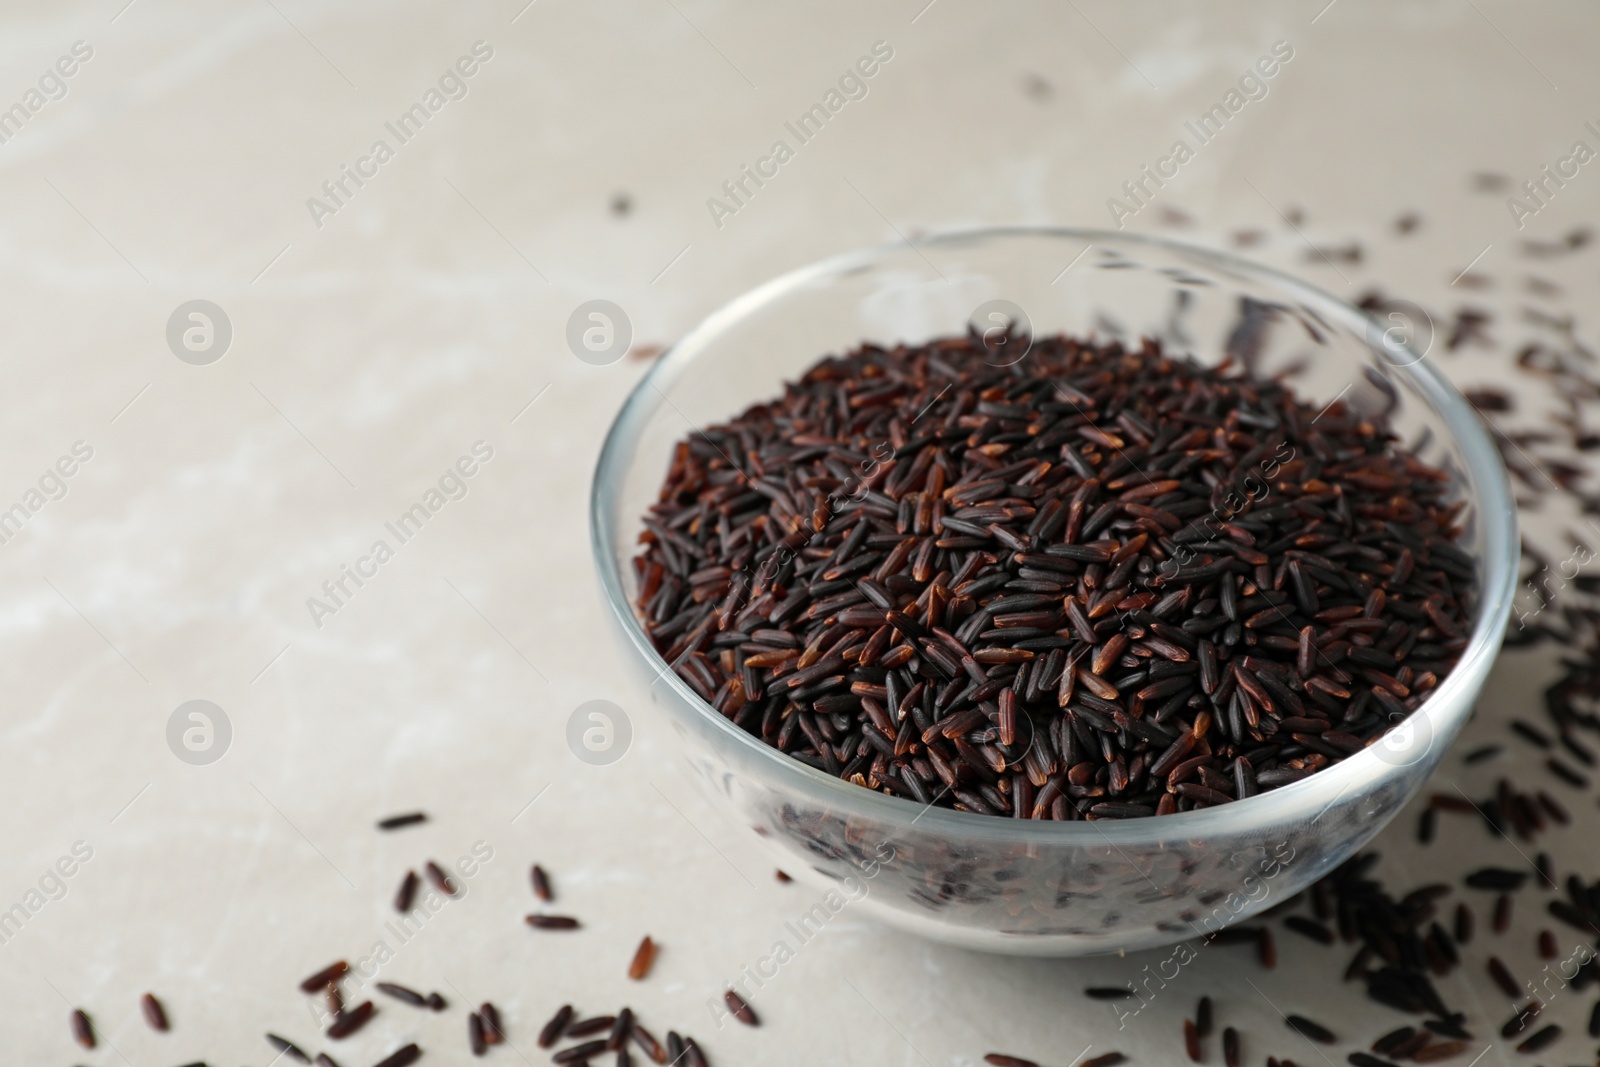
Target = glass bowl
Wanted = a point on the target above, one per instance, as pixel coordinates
(1016, 885)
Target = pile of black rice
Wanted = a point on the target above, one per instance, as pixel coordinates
(1102, 582)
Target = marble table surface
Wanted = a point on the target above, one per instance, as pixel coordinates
(192, 481)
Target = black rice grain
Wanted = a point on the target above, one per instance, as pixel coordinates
(329, 974)
(591, 1026)
(493, 1032)
(154, 1014)
(287, 1048)
(1314, 930)
(1528, 732)
(619, 1030)
(403, 994)
(395, 822)
(1234, 935)
(1496, 878)
(475, 1039)
(741, 1010)
(348, 1022)
(1202, 1017)
(1266, 948)
(644, 957)
(1519, 1022)
(1362, 1059)
(1393, 1039)
(82, 1028)
(1107, 992)
(552, 1031)
(580, 1053)
(404, 1056)
(541, 884)
(1594, 1020)
(1230, 1046)
(440, 879)
(1313, 1030)
(1543, 1039)
(1502, 978)
(1403, 1050)
(647, 1042)
(407, 892)
(1501, 921)
(1566, 774)
(1105, 1059)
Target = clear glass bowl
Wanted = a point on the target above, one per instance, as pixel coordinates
(1054, 888)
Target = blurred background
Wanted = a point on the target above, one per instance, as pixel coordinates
(241, 339)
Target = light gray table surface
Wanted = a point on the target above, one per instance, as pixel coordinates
(376, 339)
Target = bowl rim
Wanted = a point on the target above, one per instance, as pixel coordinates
(1318, 791)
